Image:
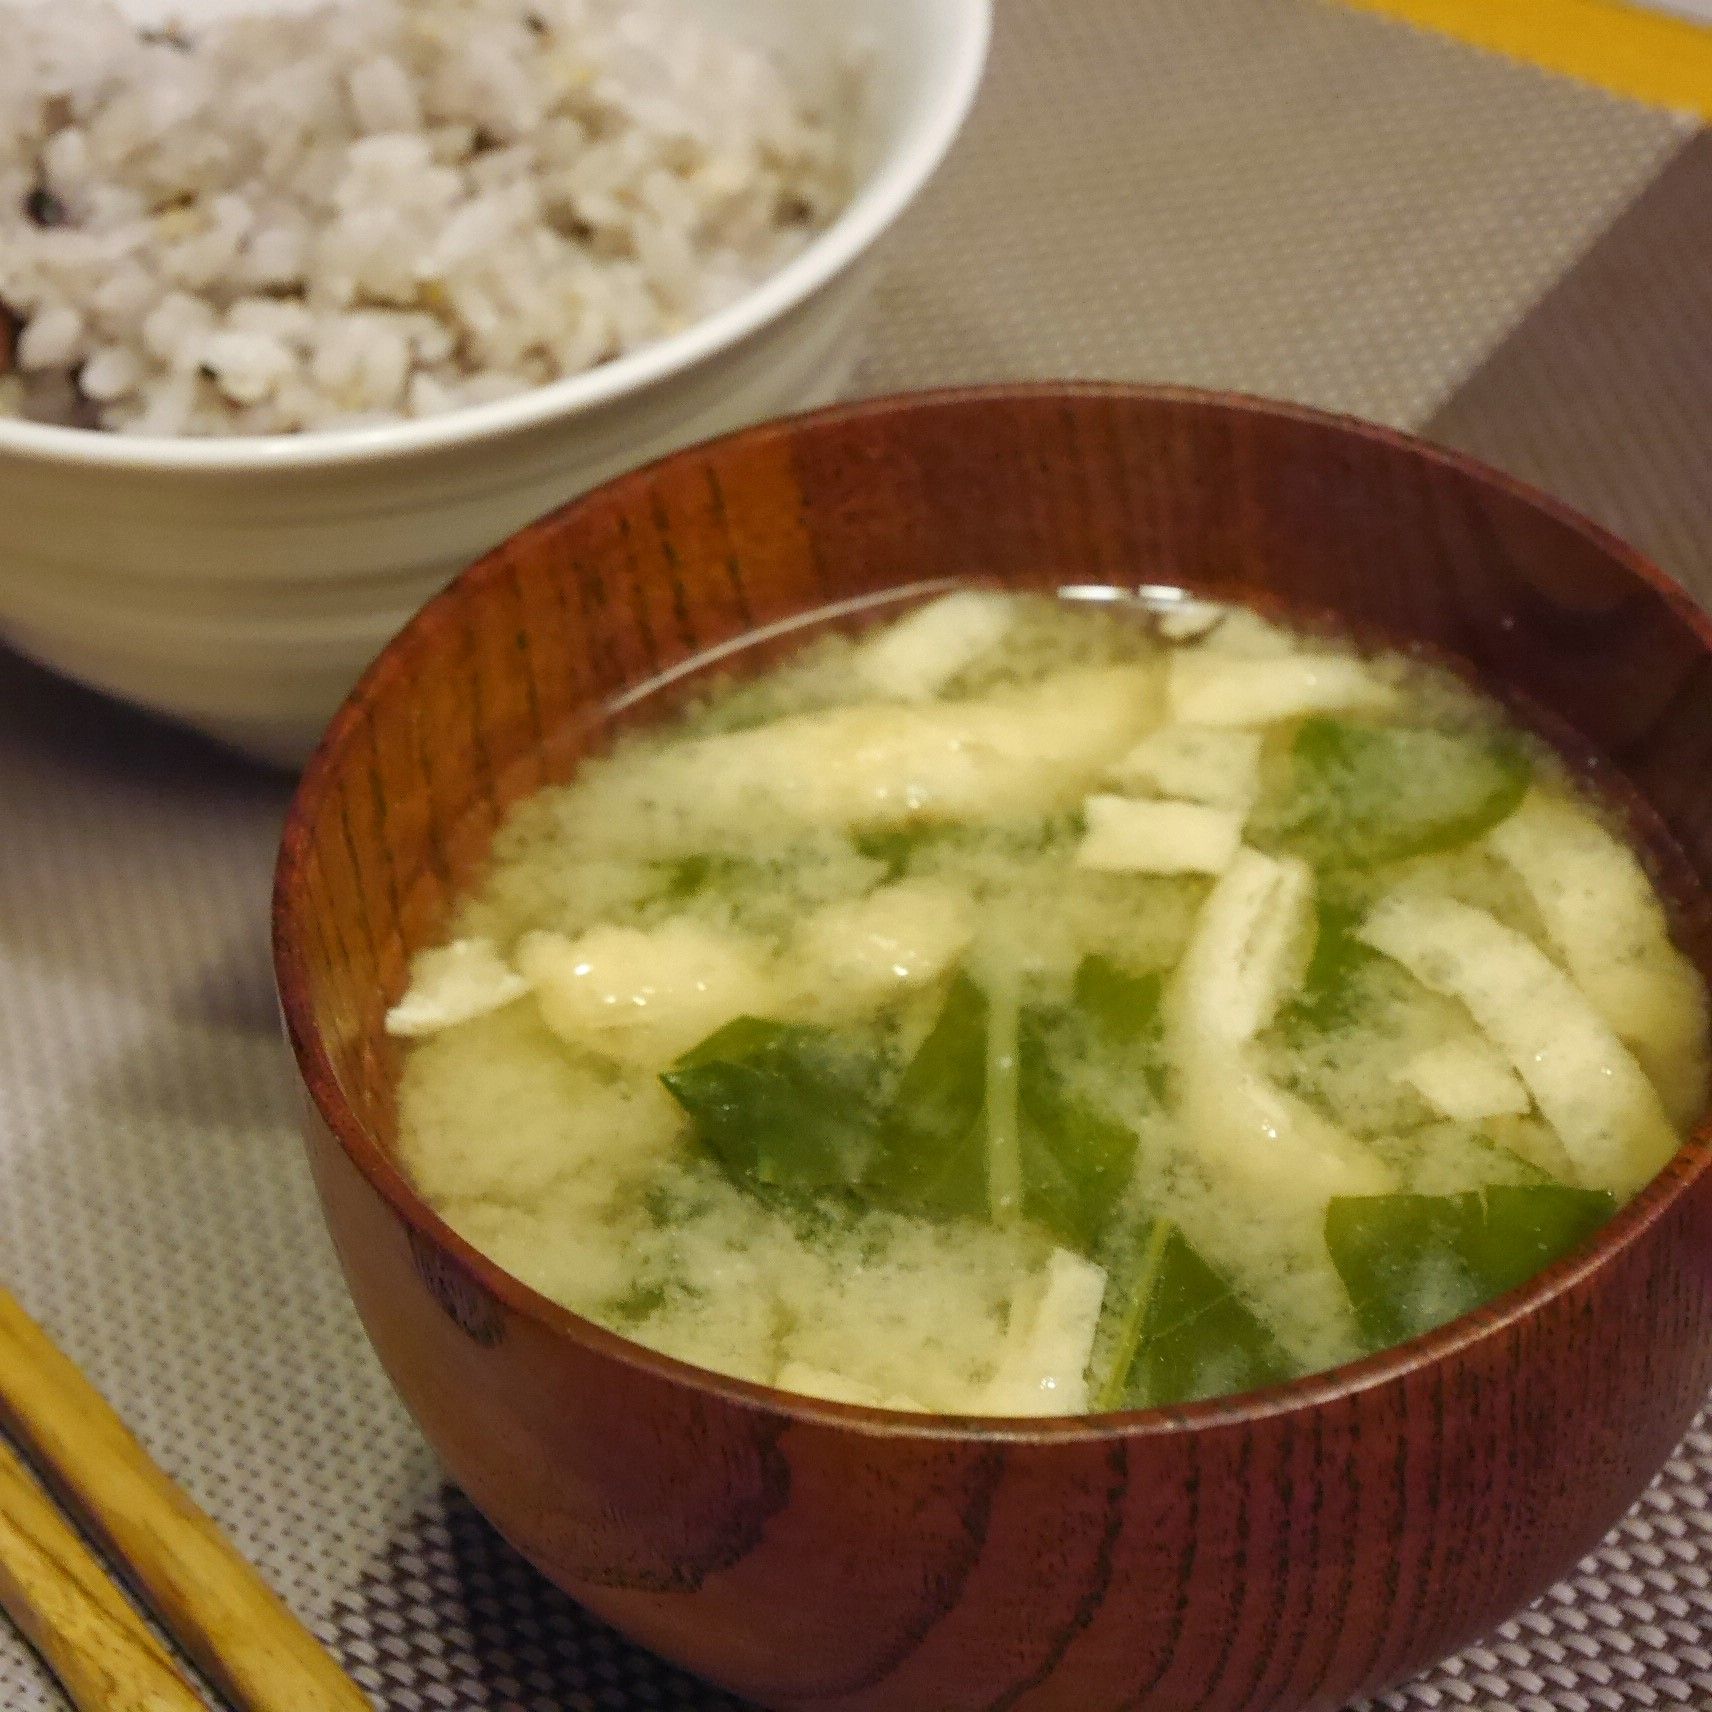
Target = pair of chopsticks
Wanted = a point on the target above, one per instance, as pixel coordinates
(214, 1605)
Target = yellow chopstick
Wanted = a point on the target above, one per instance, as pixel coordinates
(212, 1603)
(1646, 55)
(55, 1590)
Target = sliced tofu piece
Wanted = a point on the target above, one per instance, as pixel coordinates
(1197, 763)
(807, 1381)
(646, 997)
(1043, 1367)
(914, 658)
(1242, 630)
(1467, 1079)
(1207, 687)
(1604, 919)
(558, 1129)
(1029, 751)
(1127, 836)
(1585, 1082)
(465, 979)
(1247, 953)
(854, 956)
(1272, 1147)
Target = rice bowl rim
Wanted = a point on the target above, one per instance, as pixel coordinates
(909, 158)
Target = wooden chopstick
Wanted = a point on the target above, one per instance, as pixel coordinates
(57, 1592)
(212, 1603)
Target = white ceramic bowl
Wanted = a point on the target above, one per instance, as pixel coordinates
(241, 585)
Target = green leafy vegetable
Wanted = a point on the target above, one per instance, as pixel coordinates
(645, 1298)
(1332, 985)
(637, 1304)
(1412, 1262)
(1173, 1330)
(930, 1153)
(1124, 1009)
(787, 1107)
(687, 875)
(1526, 1228)
(780, 1106)
(1002, 1116)
(1125, 1013)
(892, 846)
(898, 846)
(1353, 795)
(1076, 1160)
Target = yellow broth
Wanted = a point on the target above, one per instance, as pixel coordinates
(1035, 1005)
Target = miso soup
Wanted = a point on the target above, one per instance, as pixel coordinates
(1038, 1005)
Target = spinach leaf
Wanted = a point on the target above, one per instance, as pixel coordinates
(1412, 1262)
(684, 876)
(779, 1105)
(1123, 1009)
(1076, 1160)
(786, 1107)
(895, 846)
(1173, 1329)
(1353, 795)
(930, 1150)
(1527, 1227)
(1331, 987)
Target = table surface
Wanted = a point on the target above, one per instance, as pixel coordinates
(1274, 195)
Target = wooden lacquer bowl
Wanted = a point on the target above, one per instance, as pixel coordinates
(1286, 1550)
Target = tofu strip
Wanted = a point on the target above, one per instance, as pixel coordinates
(1043, 1367)
(1247, 954)
(1207, 688)
(1013, 754)
(1586, 1083)
(1603, 917)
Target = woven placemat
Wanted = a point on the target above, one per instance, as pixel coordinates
(1268, 194)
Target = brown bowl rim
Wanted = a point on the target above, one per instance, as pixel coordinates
(1629, 1225)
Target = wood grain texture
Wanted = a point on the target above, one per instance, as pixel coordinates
(213, 1603)
(1284, 1551)
(56, 1591)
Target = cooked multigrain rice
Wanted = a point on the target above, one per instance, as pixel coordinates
(380, 208)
